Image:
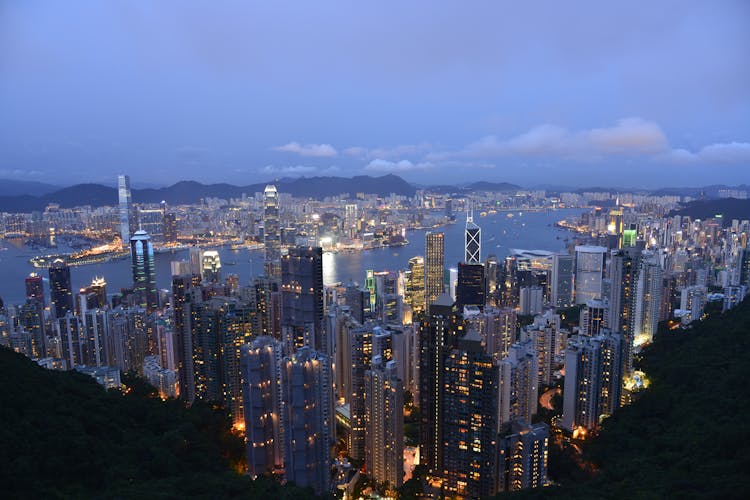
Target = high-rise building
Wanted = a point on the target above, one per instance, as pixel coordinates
(561, 286)
(523, 454)
(306, 413)
(127, 222)
(623, 273)
(414, 294)
(144, 271)
(531, 300)
(385, 423)
(302, 299)
(592, 318)
(518, 384)
(271, 232)
(434, 266)
(647, 299)
(589, 273)
(210, 267)
(261, 365)
(472, 240)
(593, 379)
(360, 360)
(60, 287)
(35, 288)
(470, 289)
(470, 415)
(170, 227)
(438, 334)
(31, 317)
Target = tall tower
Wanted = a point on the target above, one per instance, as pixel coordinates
(35, 288)
(414, 294)
(623, 272)
(434, 266)
(472, 240)
(561, 285)
(647, 299)
(127, 224)
(144, 271)
(61, 290)
(302, 299)
(589, 273)
(271, 232)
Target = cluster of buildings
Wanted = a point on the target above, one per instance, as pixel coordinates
(302, 368)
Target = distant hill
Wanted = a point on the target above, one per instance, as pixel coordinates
(191, 192)
(494, 187)
(729, 208)
(63, 436)
(11, 187)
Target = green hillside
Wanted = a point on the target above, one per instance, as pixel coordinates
(63, 436)
(688, 435)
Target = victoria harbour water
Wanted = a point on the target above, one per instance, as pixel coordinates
(500, 234)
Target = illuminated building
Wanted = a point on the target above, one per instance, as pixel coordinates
(306, 418)
(629, 237)
(165, 380)
(500, 331)
(531, 300)
(271, 232)
(61, 291)
(93, 296)
(438, 333)
(35, 288)
(589, 273)
(32, 320)
(360, 359)
(96, 337)
(518, 384)
(561, 285)
(151, 220)
(127, 222)
(471, 286)
(647, 299)
(547, 336)
(592, 318)
(593, 379)
(268, 306)
(302, 299)
(144, 271)
(385, 423)
(470, 415)
(472, 240)
(170, 227)
(623, 271)
(210, 267)
(70, 327)
(261, 364)
(181, 321)
(524, 455)
(434, 266)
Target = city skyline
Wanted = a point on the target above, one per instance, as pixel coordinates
(503, 93)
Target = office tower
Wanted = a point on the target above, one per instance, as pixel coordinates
(60, 288)
(438, 332)
(593, 380)
(31, 316)
(470, 420)
(523, 454)
(271, 232)
(127, 222)
(414, 294)
(196, 262)
(592, 318)
(509, 284)
(360, 359)
(268, 306)
(151, 220)
(471, 286)
(623, 273)
(371, 287)
(434, 265)
(210, 267)
(647, 299)
(385, 423)
(449, 207)
(93, 296)
(491, 276)
(261, 365)
(589, 273)
(306, 418)
(356, 299)
(302, 299)
(170, 227)
(35, 288)
(629, 237)
(144, 271)
(181, 285)
(452, 282)
(518, 384)
(350, 219)
(472, 240)
(531, 300)
(561, 285)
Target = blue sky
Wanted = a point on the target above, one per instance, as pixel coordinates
(547, 92)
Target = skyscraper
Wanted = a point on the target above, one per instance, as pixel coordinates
(127, 225)
(211, 267)
(471, 285)
(472, 240)
(647, 299)
(61, 291)
(306, 414)
(414, 295)
(302, 299)
(271, 232)
(524, 451)
(589, 273)
(144, 271)
(434, 266)
(623, 272)
(561, 285)
(518, 384)
(360, 360)
(385, 423)
(35, 288)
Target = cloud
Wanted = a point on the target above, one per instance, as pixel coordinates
(629, 136)
(314, 150)
(380, 165)
(389, 152)
(724, 153)
(288, 170)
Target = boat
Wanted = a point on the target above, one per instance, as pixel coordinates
(510, 215)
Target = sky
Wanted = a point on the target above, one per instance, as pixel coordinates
(580, 93)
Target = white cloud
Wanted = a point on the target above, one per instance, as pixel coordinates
(725, 153)
(380, 165)
(288, 170)
(389, 152)
(314, 150)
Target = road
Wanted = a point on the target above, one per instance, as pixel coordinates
(546, 399)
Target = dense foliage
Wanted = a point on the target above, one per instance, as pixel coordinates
(688, 435)
(63, 436)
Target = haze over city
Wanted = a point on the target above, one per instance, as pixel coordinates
(640, 94)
